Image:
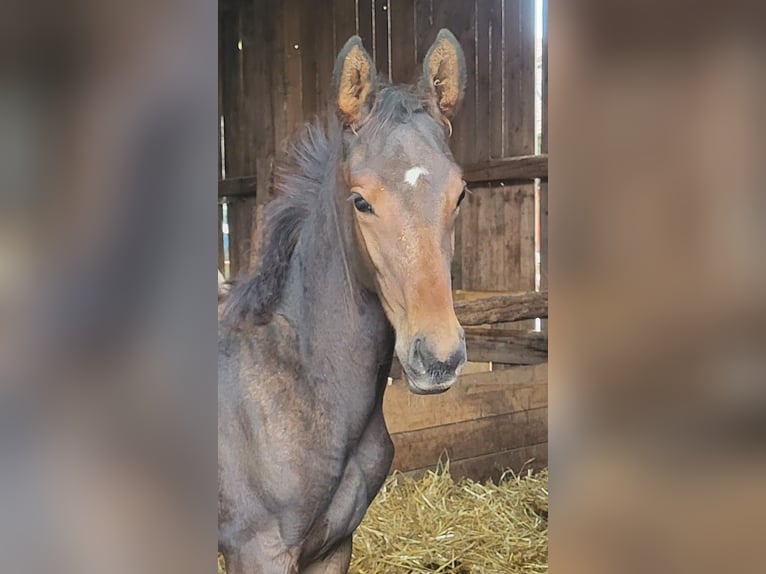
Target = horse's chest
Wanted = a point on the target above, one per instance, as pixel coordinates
(357, 486)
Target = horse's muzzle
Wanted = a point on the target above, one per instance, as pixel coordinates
(427, 373)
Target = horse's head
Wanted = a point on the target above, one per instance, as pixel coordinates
(404, 189)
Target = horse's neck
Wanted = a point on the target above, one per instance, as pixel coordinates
(344, 338)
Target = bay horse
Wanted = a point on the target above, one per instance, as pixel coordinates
(355, 264)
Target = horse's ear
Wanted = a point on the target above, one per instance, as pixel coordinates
(444, 75)
(353, 82)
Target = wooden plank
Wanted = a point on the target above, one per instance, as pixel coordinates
(221, 256)
(473, 396)
(481, 142)
(424, 31)
(344, 22)
(403, 49)
(468, 439)
(240, 213)
(469, 237)
(364, 11)
(308, 30)
(525, 167)
(502, 308)
(496, 77)
(525, 203)
(325, 54)
(293, 74)
(519, 77)
(230, 64)
(508, 346)
(543, 209)
(236, 120)
(238, 186)
(492, 466)
(508, 249)
(259, 77)
(249, 122)
(380, 21)
(278, 85)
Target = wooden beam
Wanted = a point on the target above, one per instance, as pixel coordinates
(476, 437)
(473, 396)
(503, 307)
(508, 346)
(237, 186)
(525, 167)
(515, 168)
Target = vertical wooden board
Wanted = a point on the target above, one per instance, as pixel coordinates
(235, 134)
(325, 55)
(469, 245)
(481, 143)
(380, 21)
(220, 94)
(424, 30)
(221, 257)
(278, 84)
(403, 52)
(364, 11)
(240, 212)
(544, 146)
(460, 19)
(496, 77)
(293, 74)
(440, 15)
(519, 42)
(510, 244)
(252, 60)
(307, 48)
(344, 22)
(502, 241)
(259, 77)
(230, 63)
(526, 205)
(456, 269)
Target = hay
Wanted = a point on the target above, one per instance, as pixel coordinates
(435, 524)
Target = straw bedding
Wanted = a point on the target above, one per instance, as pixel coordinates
(436, 524)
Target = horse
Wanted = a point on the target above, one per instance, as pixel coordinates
(354, 265)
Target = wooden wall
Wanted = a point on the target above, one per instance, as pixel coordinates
(275, 64)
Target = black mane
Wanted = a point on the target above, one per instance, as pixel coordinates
(299, 184)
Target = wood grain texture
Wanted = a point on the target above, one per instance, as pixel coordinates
(403, 51)
(468, 439)
(492, 466)
(344, 22)
(473, 396)
(380, 11)
(496, 74)
(424, 30)
(502, 307)
(526, 167)
(509, 346)
(364, 25)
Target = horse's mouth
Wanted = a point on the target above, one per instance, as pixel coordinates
(425, 385)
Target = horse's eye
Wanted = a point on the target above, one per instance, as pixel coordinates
(361, 204)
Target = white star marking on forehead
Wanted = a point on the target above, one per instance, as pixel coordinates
(412, 175)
